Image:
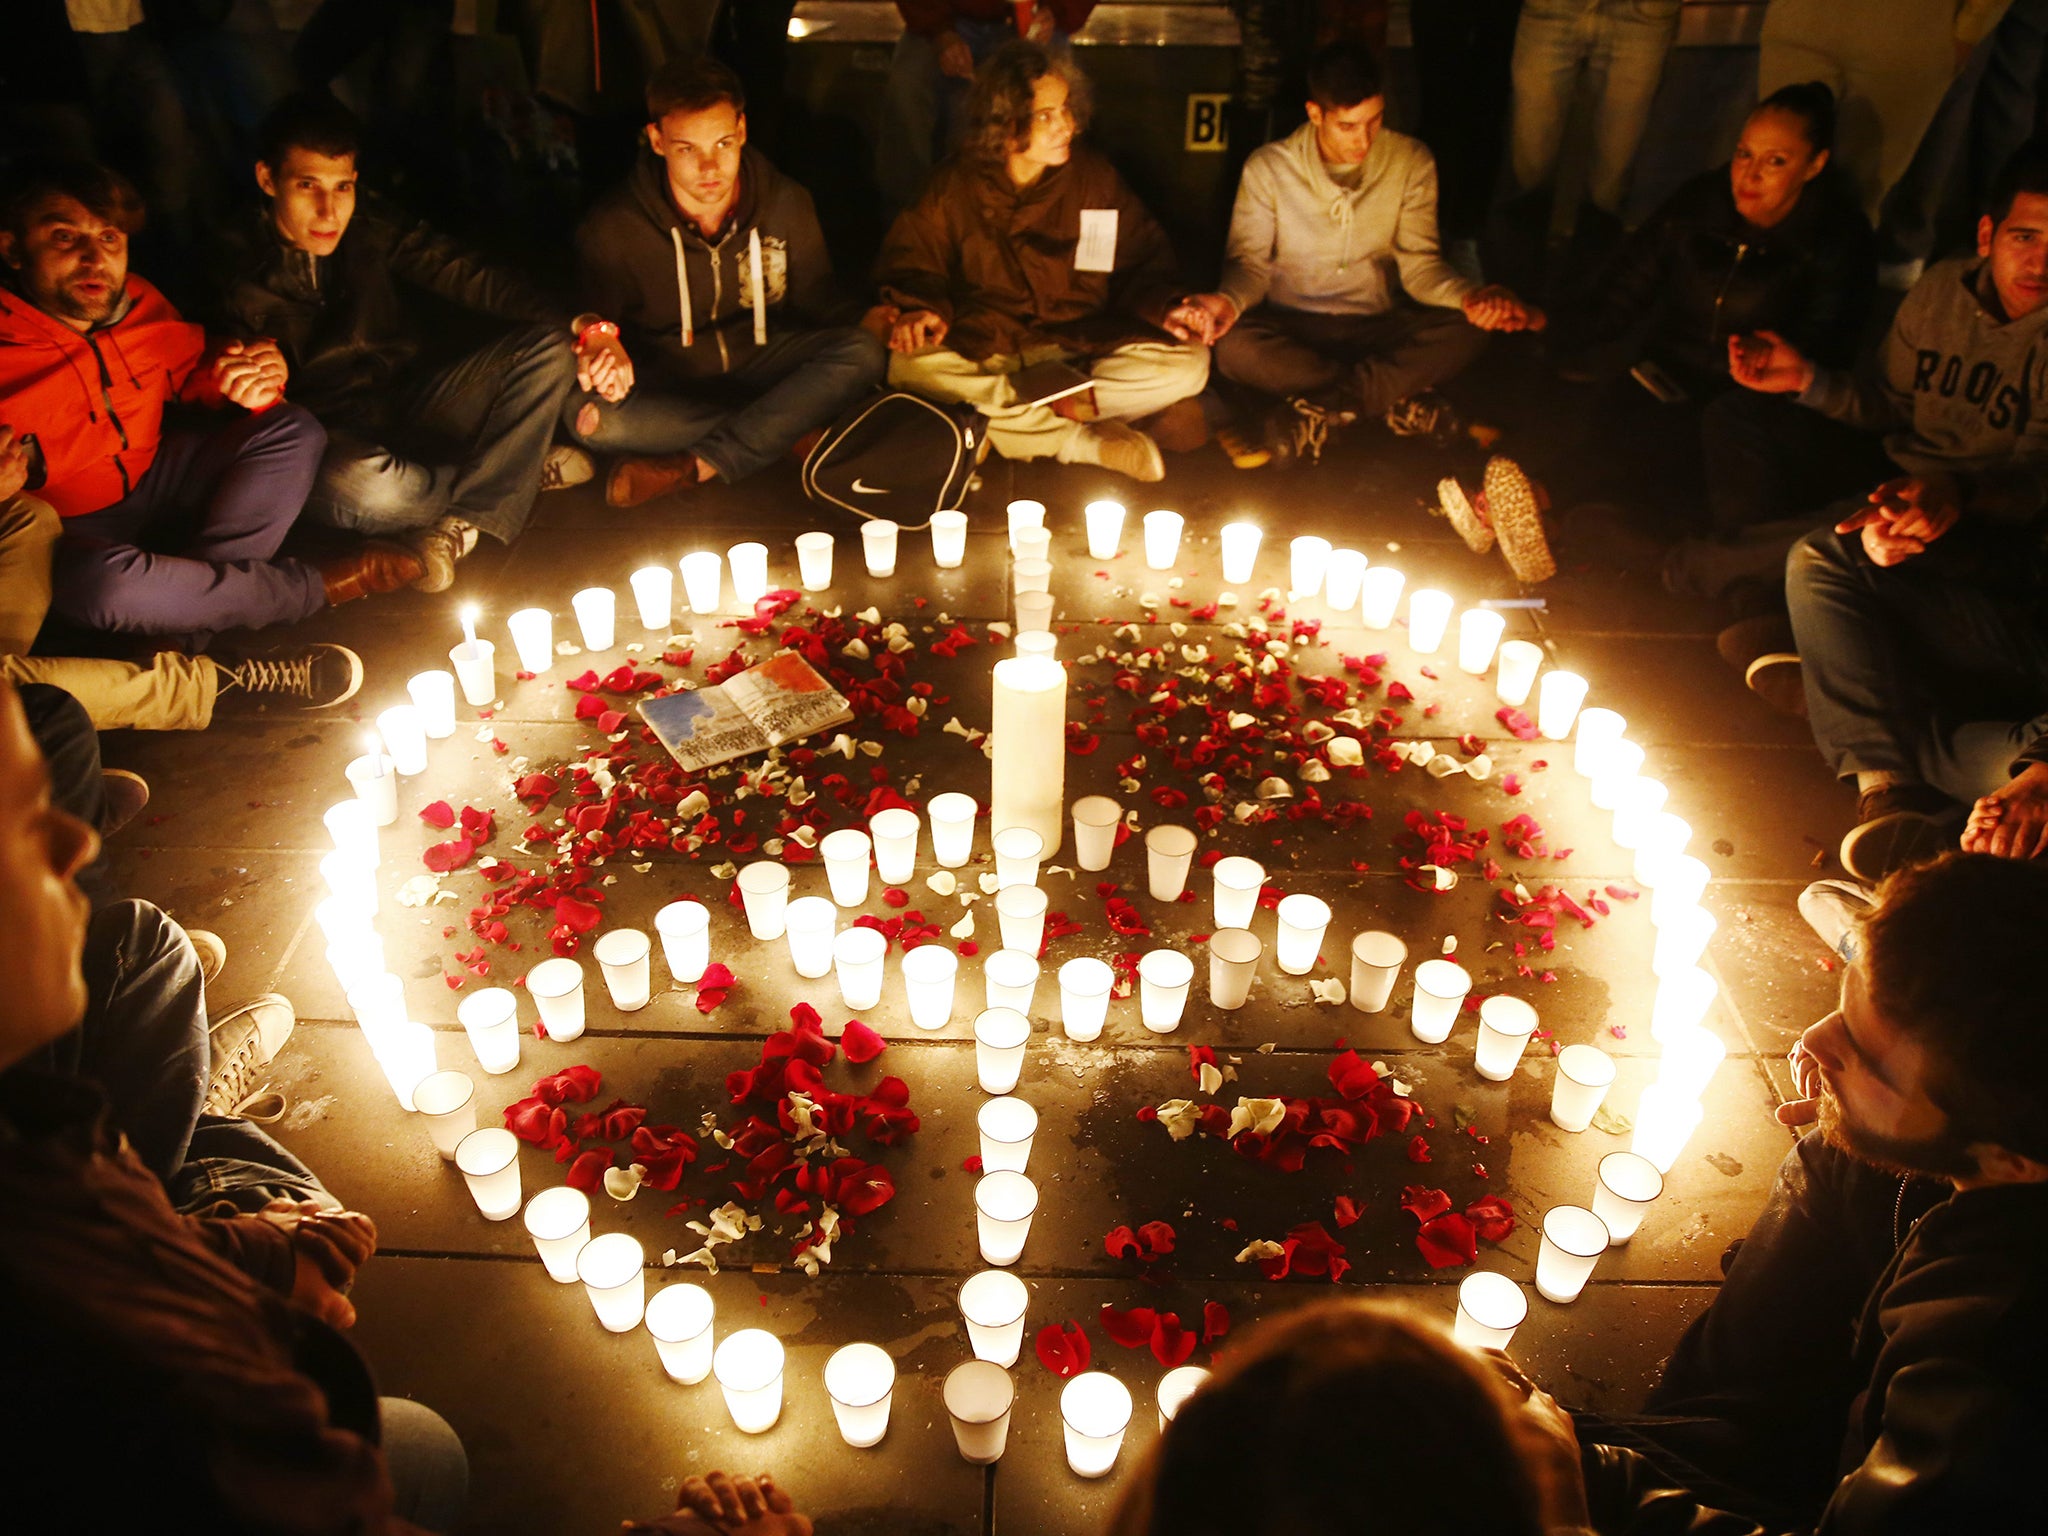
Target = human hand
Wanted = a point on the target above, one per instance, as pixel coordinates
(1767, 362)
(917, 329)
(328, 1247)
(603, 367)
(250, 374)
(955, 57)
(1805, 1109)
(718, 1505)
(1203, 317)
(1547, 1445)
(13, 463)
(2012, 821)
(1922, 507)
(1495, 308)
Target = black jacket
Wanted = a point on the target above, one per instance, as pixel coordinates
(634, 249)
(1697, 273)
(339, 319)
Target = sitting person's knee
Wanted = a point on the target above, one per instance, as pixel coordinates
(290, 426)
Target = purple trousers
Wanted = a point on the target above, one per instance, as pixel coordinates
(192, 549)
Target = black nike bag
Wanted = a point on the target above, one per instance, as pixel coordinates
(899, 457)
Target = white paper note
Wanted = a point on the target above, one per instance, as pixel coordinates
(1096, 251)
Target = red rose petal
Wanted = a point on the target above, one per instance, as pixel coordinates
(1447, 1240)
(859, 1043)
(439, 814)
(1491, 1217)
(1157, 1238)
(1424, 1203)
(1171, 1343)
(1215, 1321)
(1063, 1351)
(1348, 1210)
(587, 1172)
(1132, 1329)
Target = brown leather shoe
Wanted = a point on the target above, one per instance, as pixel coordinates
(376, 567)
(633, 481)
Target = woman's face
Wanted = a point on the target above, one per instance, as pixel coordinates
(1050, 139)
(1773, 163)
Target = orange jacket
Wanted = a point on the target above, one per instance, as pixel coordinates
(96, 402)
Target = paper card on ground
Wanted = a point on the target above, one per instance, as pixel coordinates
(778, 701)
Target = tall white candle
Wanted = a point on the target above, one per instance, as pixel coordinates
(1028, 741)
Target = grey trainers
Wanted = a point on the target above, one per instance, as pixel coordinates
(439, 547)
(565, 465)
(1119, 446)
(318, 676)
(1832, 909)
(212, 951)
(243, 1043)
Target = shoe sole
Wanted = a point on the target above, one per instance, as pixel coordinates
(1770, 677)
(1458, 508)
(1518, 521)
(355, 679)
(1887, 843)
(142, 788)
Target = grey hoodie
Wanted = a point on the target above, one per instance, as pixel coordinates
(1300, 240)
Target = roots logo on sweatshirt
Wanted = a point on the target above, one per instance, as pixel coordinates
(1979, 382)
(775, 271)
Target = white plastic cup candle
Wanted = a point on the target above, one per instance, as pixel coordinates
(949, 540)
(764, 897)
(556, 987)
(1640, 799)
(1023, 515)
(809, 924)
(1691, 1058)
(1176, 1387)
(1020, 917)
(558, 1221)
(1341, 583)
(1031, 544)
(1084, 997)
(339, 922)
(1379, 596)
(846, 853)
(622, 954)
(1031, 577)
(1009, 979)
(1515, 666)
(446, 1101)
(1095, 823)
(351, 882)
(1034, 615)
(1007, 1126)
(533, 639)
(1440, 988)
(1018, 850)
(1505, 1025)
(1238, 883)
(1479, 632)
(979, 1396)
(613, 1270)
(1557, 704)
(814, 560)
(355, 959)
(1376, 961)
(654, 595)
(491, 1020)
(1681, 941)
(878, 546)
(1037, 643)
(993, 1304)
(476, 671)
(1596, 733)
(1584, 1074)
(857, 962)
(489, 1160)
(748, 563)
(1163, 979)
(1573, 1240)
(1000, 1035)
(1233, 962)
(1429, 615)
(433, 696)
(860, 1379)
(1003, 1203)
(406, 1055)
(1162, 539)
(702, 573)
(894, 835)
(1665, 1121)
(1627, 1185)
(1490, 1308)
(379, 1007)
(681, 1317)
(597, 617)
(1095, 1408)
(1681, 882)
(1169, 853)
(405, 739)
(375, 784)
(1682, 1001)
(1240, 543)
(1617, 768)
(685, 930)
(1105, 528)
(1303, 920)
(1661, 840)
(930, 973)
(352, 828)
(748, 1365)
(1308, 558)
(952, 818)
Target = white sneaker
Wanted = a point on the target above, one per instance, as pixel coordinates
(566, 465)
(1119, 446)
(242, 1044)
(1831, 909)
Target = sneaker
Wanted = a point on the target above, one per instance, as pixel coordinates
(123, 795)
(242, 1044)
(1426, 414)
(1119, 446)
(1242, 452)
(378, 566)
(439, 547)
(1298, 428)
(212, 950)
(319, 676)
(1513, 504)
(1455, 505)
(565, 465)
(1897, 825)
(1832, 909)
(634, 481)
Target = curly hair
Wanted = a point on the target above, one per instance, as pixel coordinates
(999, 106)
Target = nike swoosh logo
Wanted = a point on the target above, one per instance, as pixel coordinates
(868, 490)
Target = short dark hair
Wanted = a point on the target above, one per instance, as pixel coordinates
(315, 120)
(1950, 956)
(2025, 171)
(33, 179)
(999, 105)
(693, 82)
(1342, 74)
(1812, 103)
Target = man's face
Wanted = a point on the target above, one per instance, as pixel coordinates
(70, 262)
(312, 198)
(1051, 138)
(702, 150)
(42, 913)
(2018, 248)
(1873, 1094)
(1344, 135)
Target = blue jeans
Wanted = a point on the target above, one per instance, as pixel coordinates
(467, 440)
(1936, 669)
(424, 1459)
(193, 548)
(747, 419)
(924, 109)
(1619, 46)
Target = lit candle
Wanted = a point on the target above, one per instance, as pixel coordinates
(684, 927)
(405, 740)
(1024, 514)
(351, 882)
(1000, 1035)
(1302, 922)
(1640, 799)
(406, 1054)
(491, 1020)
(1084, 997)
(748, 563)
(1683, 998)
(433, 695)
(1573, 1240)
(1027, 784)
(1505, 1024)
(1440, 988)
(1176, 1387)
(597, 617)
(654, 594)
(1429, 615)
(1003, 1204)
(1308, 557)
(1020, 914)
(1379, 595)
(1598, 731)
(476, 668)
(1584, 1074)
(1233, 963)
(979, 1396)
(1661, 841)
(1627, 1186)
(845, 853)
(1095, 823)
(700, 571)
(1169, 855)
(613, 1269)
(1162, 539)
(930, 973)
(375, 781)
(857, 962)
(1517, 663)
(1613, 770)
(1490, 1308)
(1341, 586)
(1105, 528)
(556, 987)
(1681, 941)
(489, 1160)
(1240, 551)
(1665, 1121)
(809, 923)
(1479, 632)
(952, 818)
(680, 1319)
(1238, 883)
(860, 1379)
(1007, 1127)
(764, 896)
(1095, 1408)
(558, 1221)
(748, 1365)
(533, 638)
(469, 616)
(878, 546)
(993, 1304)
(814, 561)
(949, 540)
(1557, 704)
(894, 835)
(1163, 979)
(1009, 979)
(1691, 1058)
(1376, 960)
(622, 956)
(446, 1101)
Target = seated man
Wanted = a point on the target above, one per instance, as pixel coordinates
(439, 455)
(721, 388)
(1028, 248)
(167, 530)
(1334, 295)
(1919, 650)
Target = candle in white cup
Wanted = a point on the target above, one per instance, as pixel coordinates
(1034, 612)
(748, 563)
(949, 540)
(702, 571)
(1006, 1126)
(1593, 738)
(489, 1160)
(1681, 882)
(1429, 615)
(622, 955)
(1584, 1074)
(857, 962)
(1095, 1409)
(681, 1319)
(846, 854)
(533, 638)
(993, 1304)
(558, 1221)
(491, 1020)
(350, 881)
(405, 739)
(1661, 839)
(1505, 1025)
(1163, 979)
(1105, 528)
(613, 1270)
(764, 897)
(814, 560)
(1640, 799)
(1573, 1240)
(446, 1101)
(1095, 823)
(433, 696)
(1238, 883)
(1018, 851)
(894, 835)
(1030, 642)
(748, 1365)
(1343, 581)
(1681, 941)
(1022, 516)
(1379, 596)
(878, 546)
(1233, 963)
(1682, 1001)
(1665, 1121)
(352, 827)
(809, 923)
(654, 595)
(406, 1055)
(1240, 543)
(1479, 632)
(376, 783)
(1009, 979)
(1625, 1188)
(597, 617)
(1516, 664)
(860, 1379)
(355, 959)
(1000, 1035)
(1490, 1308)
(1557, 704)
(1303, 920)
(476, 671)
(1617, 767)
(1691, 1058)
(685, 930)
(1031, 544)
(1162, 539)
(556, 987)
(930, 973)
(1003, 1204)
(1028, 741)
(1376, 961)
(1084, 997)
(1169, 853)
(1031, 576)
(1308, 557)
(952, 820)
(1440, 988)
(979, 1395)
(1020, 915)
(1176, 1387)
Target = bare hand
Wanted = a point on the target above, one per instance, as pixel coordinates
(1494, 308)
(13, 464)
(718, 1505)
(603, 367)
(955, 57)
(250, 374)
(916, 330)
(1805, 1071)
(1767, 362)
(1549, 1448)
(328, 1247)
(1922, 507)
(2012, 821)
(1203, 317)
